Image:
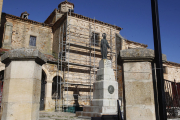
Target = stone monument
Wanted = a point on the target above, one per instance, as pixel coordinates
(105, 90)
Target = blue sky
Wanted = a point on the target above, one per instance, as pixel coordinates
(134, 16)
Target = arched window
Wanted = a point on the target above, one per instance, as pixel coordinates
(56, 87)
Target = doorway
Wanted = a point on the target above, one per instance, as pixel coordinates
(43, 83)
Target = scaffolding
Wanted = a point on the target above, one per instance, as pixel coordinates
(78, 60)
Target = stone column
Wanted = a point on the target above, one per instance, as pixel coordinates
(1, 4)
(48, 98)
(8, 35)
(138, 84)
(22, 84)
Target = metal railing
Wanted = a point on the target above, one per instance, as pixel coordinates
(172, 95)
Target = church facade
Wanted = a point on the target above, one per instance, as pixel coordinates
(71, 43)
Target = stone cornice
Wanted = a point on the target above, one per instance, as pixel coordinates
(138, 54)
(23, 54)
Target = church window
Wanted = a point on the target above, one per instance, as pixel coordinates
(95, 39)
(32, 41)
(165, 69)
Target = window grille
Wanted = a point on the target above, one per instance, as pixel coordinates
(32, 41)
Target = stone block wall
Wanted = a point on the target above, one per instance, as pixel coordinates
(171, 71)
(17, 35)
(79, 32)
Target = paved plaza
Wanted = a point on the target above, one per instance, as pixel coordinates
(59, 116)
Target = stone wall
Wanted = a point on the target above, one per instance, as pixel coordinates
(59, 34)
(172, 71)
(79, 34)
(139, 81)
(1, 4)
(17, 35)
(122, 44)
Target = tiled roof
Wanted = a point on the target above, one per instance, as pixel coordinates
(50, 58)
(92, 20)
(136, 43)
(129, 41)
(24, 20)
(50, 16)
(171, 63)
(88, 19)
(2, 51)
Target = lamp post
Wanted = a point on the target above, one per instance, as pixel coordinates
(158, 61)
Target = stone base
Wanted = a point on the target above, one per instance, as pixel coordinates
(104, 102)
(93, 114)
(105, 93)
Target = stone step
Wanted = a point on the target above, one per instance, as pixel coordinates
(57, 116)
(93, 114)
(100, 109)
(104, 102)
(88, 114)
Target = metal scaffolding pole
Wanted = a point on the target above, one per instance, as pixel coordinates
(61, 58)
(62, 69)
(65, 57)
(94, 52)
(116, 52)
(90, 58)
(58, 69)
(68, 57)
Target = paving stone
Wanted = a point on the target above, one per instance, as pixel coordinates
(58, 116)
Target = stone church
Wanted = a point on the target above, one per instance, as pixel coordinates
(71, 43)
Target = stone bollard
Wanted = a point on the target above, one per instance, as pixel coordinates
(139, 79)
(22, 84)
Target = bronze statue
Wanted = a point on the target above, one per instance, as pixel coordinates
(104, 46)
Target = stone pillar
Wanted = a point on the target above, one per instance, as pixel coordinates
(8, 35)
(22, 84)
(48, 97)
(1, 4)
(139, 99)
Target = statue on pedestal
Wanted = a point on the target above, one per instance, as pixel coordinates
(104, 46)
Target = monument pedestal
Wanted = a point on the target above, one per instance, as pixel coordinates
(105, 93)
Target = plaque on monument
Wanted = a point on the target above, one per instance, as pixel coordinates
(111, 89)
(107, 64)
